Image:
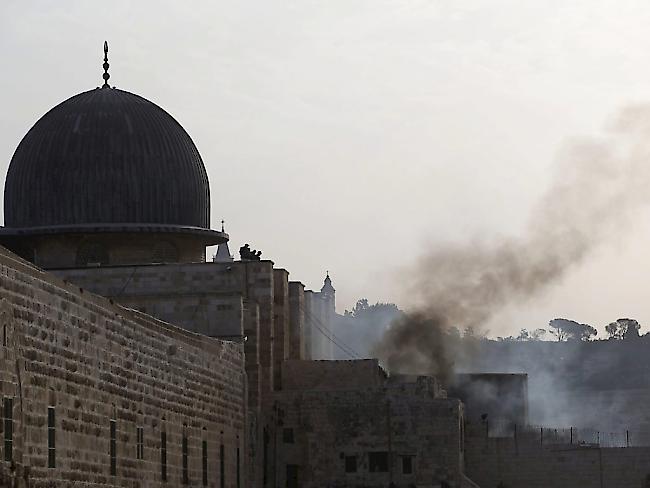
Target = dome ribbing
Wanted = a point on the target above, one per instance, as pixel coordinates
(107, 158)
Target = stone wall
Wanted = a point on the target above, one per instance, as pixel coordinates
(332, 375)
(369, 437)
(280, 323)
(97, 365)
(69, 250)
(202, 297)
(233, 300)
(523, 461)
(297, 320)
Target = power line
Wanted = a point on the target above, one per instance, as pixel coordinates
(331, 337)
(336, 337)
(323, 330)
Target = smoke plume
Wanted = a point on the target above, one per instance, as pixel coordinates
(596, 185)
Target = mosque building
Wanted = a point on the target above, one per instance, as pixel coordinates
(108, 191)
(129, 359)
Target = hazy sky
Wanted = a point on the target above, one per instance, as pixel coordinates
(354, 135)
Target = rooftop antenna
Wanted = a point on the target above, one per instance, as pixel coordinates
(106, 76)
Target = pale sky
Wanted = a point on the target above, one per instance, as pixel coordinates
(354, 135)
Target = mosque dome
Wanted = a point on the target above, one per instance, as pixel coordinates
(107, 159)
(107, 178)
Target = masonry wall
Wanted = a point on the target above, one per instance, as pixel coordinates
(203, 297)
(342, 438)
(296, 320)
(255, 418)
(332, 375)
(525, 462)
(118, 248)
(94, 361)
(252, 353)
(167, 289)
(281, 335)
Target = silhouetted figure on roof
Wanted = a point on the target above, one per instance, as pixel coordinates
(248, 254)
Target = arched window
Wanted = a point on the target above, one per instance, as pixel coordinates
(91, 253)
(164, 252)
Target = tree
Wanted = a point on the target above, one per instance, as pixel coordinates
(365, 324)
(363, 310)
(623, 329)
(360, 307)
(565, 330)
(524, 335)
(537, 335)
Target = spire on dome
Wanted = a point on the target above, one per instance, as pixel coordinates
(106, 76)
(223, 251)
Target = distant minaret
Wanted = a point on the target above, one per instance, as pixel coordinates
(223, 251)
(328, 297)
(328, 291)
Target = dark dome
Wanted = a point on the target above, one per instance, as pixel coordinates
(107, 159)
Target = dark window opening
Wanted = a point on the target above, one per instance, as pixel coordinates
(378, 462)
(140, 443)
(407, 464)
(265, 458)
(51, 438)
(113, 448)
(350, 464)
(222, 466)
(4, 335)
(204, 458)
(8, 411)
(163, 455)
(238, 470)
(292, 476)
(287, 435)
(186, 479)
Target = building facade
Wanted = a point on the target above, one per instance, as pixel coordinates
(97, 394)
(130, 360)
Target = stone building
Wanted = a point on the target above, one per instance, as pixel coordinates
(320, 313)
(109, 192)
(97, 394)
(108, 198)
(345, 423)
(128, 359)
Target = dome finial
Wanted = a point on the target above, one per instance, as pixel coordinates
(106, 76)
(222, 222)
